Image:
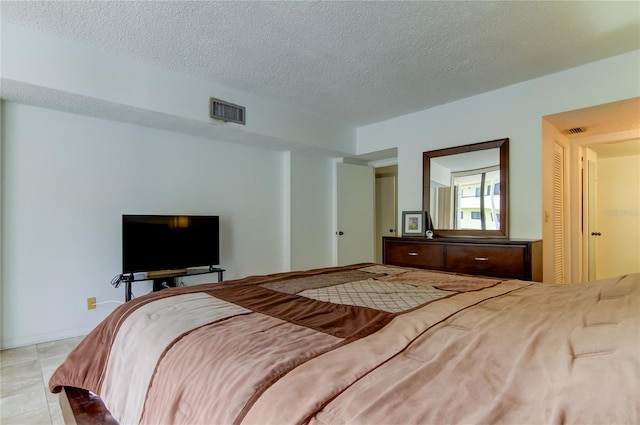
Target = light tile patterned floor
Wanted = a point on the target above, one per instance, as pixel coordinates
(24, 375)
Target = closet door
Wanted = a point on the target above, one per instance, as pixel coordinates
(558, 213)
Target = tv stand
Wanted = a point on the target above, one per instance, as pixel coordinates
(167, 280)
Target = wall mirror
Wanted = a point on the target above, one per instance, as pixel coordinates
(465, 189)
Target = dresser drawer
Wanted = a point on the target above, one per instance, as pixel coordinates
(508, 258)
(507, 261)
(414, 254)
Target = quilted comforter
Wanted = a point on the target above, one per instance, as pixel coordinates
(368, 344)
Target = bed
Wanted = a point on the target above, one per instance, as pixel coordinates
(370, 344)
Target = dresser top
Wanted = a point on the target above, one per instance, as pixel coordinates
(462, 240)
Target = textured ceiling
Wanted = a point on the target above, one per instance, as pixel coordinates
(357, 62)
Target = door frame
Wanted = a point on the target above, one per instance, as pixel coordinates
(577, 214)
(385, 171)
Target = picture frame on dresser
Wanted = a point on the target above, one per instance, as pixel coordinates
(413, 223)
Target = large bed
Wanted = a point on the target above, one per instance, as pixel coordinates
(369, 344)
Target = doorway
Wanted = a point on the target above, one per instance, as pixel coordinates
(386, 201)
(612, 213)
(586, 186)
(382, 209)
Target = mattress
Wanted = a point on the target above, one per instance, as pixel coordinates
(370, 344)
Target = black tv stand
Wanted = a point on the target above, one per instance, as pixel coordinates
(169, 282)
(169, 279)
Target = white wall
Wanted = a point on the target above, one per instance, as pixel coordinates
(60, 165)
(1, 212)
(514, 112)
(31, 59)
(67, 179)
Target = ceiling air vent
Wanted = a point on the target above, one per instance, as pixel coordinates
(575, 130)
(225, 111)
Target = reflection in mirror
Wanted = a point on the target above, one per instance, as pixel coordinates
(465, 189)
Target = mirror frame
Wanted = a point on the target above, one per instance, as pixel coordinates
(503, 145)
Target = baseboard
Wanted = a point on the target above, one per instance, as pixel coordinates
(6, 344)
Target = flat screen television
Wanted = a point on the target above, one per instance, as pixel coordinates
(169, 242)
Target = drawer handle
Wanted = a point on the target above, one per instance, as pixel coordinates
(413, 254)
(482, 258)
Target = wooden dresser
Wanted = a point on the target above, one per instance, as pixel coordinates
(508, 258)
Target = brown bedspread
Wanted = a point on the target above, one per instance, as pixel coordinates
(368, 344)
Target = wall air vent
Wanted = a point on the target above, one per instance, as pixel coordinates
(575, 130)
(225, 111)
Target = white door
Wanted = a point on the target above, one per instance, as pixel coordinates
(617, 227)
(592, 221)
(355, 213)
(385, 211)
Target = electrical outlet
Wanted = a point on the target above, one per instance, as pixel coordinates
(91, 303)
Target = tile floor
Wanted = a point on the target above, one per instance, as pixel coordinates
(24, 376)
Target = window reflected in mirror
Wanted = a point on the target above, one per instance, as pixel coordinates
(478, 209)
(465, 191)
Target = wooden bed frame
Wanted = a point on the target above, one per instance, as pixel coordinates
(81, 407)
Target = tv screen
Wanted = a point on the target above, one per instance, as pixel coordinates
(166, 242)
